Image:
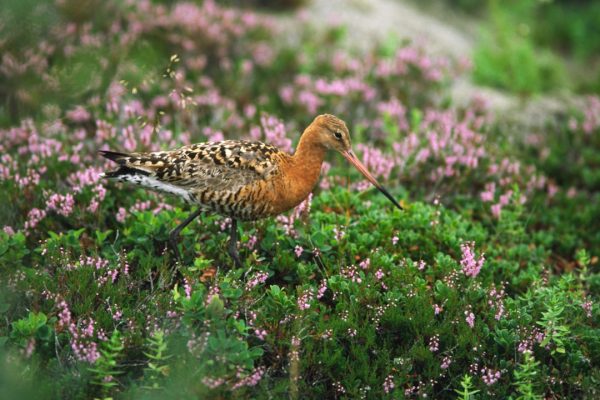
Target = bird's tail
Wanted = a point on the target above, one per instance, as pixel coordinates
(128, 164)
(141, 169)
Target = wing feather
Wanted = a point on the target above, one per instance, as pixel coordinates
(216, 166)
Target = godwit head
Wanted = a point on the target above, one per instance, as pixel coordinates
(333, 134)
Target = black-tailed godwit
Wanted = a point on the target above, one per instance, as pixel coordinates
(240, 179)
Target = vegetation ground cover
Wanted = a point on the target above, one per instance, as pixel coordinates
(485, 286)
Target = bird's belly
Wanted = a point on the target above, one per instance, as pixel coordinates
(244, 205)
(260, 200)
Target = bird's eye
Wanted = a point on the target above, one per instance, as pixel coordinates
(338, 135)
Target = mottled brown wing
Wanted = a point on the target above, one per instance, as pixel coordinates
(215, 166)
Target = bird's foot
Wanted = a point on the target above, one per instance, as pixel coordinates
(233, 253)
(174, 248)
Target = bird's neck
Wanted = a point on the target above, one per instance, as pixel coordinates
(305, 167)
(309, 156)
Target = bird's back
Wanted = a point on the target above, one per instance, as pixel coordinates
(233, 178)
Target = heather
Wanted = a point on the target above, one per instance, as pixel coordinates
(486, 286)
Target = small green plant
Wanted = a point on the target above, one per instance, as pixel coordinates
(157, 365)
(33, 327)
(467, 390)
(106, 368)
(555, 332)
(525, 376)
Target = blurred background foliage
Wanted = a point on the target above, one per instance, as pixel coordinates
(535, 46)
(355, 299)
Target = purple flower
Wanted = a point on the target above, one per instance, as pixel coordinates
(470, 318)
(364, 264)
(305, 299)
(434, 343)
(490, 376)
(470, 265)
(446, 362)
(322, 289)
(257, 279)
(388, 384)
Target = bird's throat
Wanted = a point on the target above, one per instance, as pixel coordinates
(304, 169)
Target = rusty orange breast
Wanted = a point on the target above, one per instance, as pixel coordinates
(299, 175)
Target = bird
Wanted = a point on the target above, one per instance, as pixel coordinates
(239, 179)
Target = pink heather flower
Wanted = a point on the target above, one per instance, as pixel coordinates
(351, 273)
(524, 346)
(446, 362)
(309, 100)
(121, 215)
(490, 376)
(421, 265)
(212, 383)
(252, 240)
(364, 264)
(305, 299)
(298, 250)
(388, 384)
(257, 279)
(274, 131)
(505, 198)
(496, 210)
(395, 240)
(434, 343)
(552, 190)
(322, 289)
(339, 388)
(34, 217)
(376, 162)
(437, 309)
(539, 336)
(112, 275)
(303, 209)
(488, 194)
(251, 380)
(97, 263)
(93, 207)
(78, 114)
(64, 316)
(212, 135)
(126, 268)
(587, 306)
(260, 333)
(28, 351)
(470, 266)
(8, 230)
(249, 110)
(117, 315)
(470, 318)
(82, 178)
(338, 234)
(187, 288)
(89, 330)
(143, 206)
(496, 302)
(63, 205)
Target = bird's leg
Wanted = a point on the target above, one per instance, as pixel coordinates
(174, 235)
(232, 248)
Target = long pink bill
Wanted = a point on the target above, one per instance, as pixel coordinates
(349, 155)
